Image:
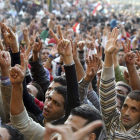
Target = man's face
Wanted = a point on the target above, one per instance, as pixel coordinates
(121, 90)
(4, 134)
(45, 54)
(121, 60)
(76, 123)
(53, 107)
(130, 113)
(51, 87)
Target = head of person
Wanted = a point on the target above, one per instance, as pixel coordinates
(54, 106)
(45, 54)
(123, 88)
(121, 56)
(120, 101)
(130, 113)
(57, 81)
(8, 132)
(133, 31)
(35, 90)
(83, 115)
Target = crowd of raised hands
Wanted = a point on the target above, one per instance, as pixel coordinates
(69, 50)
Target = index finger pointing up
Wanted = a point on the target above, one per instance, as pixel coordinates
(60, 32)
(54, 36)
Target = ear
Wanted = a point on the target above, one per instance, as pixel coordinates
(92, 136)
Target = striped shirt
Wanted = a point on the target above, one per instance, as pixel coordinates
(111, 116)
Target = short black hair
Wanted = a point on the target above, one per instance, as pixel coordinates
(62, 90)
(14, 133)
(122, 98)
(60, 80)
(90, 114)
(126, 86)
(135, 95)
(40, 94)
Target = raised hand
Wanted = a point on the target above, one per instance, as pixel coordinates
(26, 31)
(14, 28)
(92, 66)
(74, 50)
(99, 52)
(33, 37)
(127, 46)
(64, 46)
(111, 41)
(37, 47)
(130, 58)
(10, 39)
(5, 59)
(66, 131)
(81, 45)
(17, 73)
(137, 60)
(126, 76)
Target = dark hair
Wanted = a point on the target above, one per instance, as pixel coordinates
(60, 80)
(89, 113)
(133, 30)
(14, 133)
(122, 98)
(135, 95)
(62, 90)
(126, 86)
(40, 94)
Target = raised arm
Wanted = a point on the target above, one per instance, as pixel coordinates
(107, 84)
(65, 49)
(38, 73)
(5, 63)
(79, 69)
(130, 63)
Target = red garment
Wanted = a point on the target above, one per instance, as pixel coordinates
(39, 103)
(127, 35)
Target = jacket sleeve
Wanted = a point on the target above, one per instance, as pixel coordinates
(6, 88)
(27, 98)
(30, 129)
(39, 74)
(73, 99)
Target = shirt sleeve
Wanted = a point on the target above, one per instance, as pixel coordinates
(108, 95)
(30, 129)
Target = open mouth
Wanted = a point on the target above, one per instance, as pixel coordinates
(46, 111)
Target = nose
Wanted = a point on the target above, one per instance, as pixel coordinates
(49, 104)
(127, 113)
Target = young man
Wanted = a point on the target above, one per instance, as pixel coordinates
(54, 100)
(124, 125)
(82, 116)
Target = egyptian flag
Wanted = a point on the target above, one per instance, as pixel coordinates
(76, 27)
(75, 3)
(97, 8)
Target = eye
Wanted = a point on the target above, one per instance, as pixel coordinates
(124, 106)
(57, 104)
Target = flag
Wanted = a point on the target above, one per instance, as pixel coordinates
(76, 27)
(97, 8)
(75, 3)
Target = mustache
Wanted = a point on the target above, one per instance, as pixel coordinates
(126, 117)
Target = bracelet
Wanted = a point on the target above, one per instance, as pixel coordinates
(51, 57)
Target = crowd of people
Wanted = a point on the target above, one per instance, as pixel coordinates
(69, 74)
